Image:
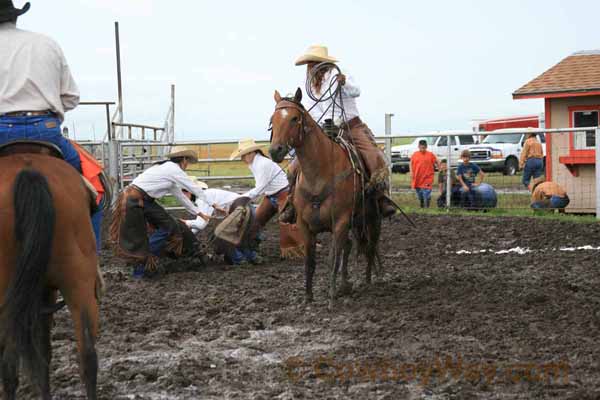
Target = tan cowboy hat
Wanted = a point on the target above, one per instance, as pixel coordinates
(535, 182)
(191, 155)
(316, 54)
(245, 146)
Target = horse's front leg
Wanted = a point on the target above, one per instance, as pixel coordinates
(310, 260)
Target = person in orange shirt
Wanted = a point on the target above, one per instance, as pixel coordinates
(422, 167)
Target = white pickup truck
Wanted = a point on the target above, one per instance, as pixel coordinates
(438, 145)
(501, 152)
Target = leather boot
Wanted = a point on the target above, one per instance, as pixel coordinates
(386, 206)
(288, 214)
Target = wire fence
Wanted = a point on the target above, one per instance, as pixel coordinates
(496, 153)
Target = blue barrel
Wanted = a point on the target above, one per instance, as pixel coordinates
(485, 196)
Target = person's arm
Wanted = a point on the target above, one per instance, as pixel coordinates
(349, 86)
(199, 223)
(69, 92)
(441, 181)
(480, 176)
(524, 151)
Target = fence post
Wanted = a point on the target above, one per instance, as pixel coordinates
(388, 147)
(113, 159)
(449, 175)
(598, 173)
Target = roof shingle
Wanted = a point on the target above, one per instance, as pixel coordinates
(579, 72)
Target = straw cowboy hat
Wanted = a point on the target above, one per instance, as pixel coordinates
(535, 182)
(315, 54)
(191, 155)
(245, 146)
(8, 12)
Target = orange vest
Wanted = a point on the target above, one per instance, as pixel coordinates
(91, 169)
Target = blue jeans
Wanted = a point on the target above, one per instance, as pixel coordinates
(45, 128)
(97, 224)
(467, 198)
(424, 196)
(534, 168)
(555, 202)
(239, 255)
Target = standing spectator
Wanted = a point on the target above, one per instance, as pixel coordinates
(547, 195)
(442, 180)
(532, 159)
(466, 174)
(422, 168)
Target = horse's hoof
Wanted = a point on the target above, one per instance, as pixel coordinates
(331, 305)
(308, 300)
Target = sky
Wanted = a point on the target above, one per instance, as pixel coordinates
(434, 64)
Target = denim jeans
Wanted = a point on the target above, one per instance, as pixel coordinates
(97, 224)
(239, 255)
(534, 168)
(45, 128)
(467, 198)
(555, 202)
(424, 196)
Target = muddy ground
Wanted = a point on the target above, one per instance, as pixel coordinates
(522, 324)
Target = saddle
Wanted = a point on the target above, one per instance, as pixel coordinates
(30, 147)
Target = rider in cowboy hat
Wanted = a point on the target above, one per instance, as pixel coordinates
(36, 85)
(137, 206)
(360, 134)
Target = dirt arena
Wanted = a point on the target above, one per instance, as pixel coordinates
(518, 321)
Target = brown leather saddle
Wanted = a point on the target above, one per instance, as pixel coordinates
(30, 147)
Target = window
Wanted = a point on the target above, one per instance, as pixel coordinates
(444, 141)
(466, 139)
(582, 119)
(503, 138)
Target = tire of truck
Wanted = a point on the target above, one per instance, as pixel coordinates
(511, 166)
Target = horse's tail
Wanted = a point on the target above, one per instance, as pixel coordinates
(21, 321)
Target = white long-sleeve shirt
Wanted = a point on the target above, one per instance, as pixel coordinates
(268, 175)
(168, 178)
(221, 198)
(350, 92)
(34, 74)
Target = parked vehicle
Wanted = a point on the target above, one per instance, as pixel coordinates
(501, 152)
(438, 145)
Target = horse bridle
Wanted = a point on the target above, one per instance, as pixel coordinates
(301, 123)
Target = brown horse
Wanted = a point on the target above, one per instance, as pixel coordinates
(46, 244)
(329, 192)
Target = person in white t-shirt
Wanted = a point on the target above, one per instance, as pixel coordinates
(272, 183)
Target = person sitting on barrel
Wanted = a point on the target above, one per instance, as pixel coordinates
(547, 195)
(454, 185)
(466, 174)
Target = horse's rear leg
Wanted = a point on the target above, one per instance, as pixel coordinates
(45, 346)
(346, 286)
(10, 371)
(84, 312)
(339, 244)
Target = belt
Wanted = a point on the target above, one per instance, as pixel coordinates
(28, 113)
(141, 191)
(279, 192)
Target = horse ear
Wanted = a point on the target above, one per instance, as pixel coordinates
(277, 97)
(298, 95)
